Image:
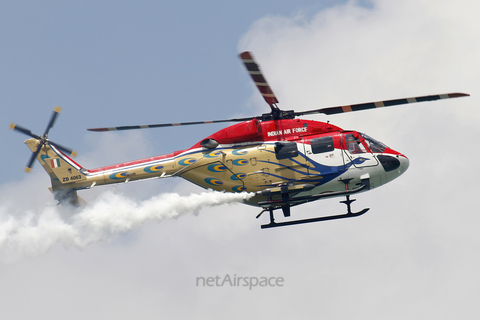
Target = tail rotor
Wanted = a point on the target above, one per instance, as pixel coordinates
(43, 140)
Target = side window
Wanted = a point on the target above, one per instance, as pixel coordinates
(323, 144)
(285, 150)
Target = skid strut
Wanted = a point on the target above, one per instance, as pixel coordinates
(349, 214)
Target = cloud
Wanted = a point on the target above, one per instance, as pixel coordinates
(355, 52)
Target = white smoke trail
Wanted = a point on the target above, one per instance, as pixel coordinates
(33, 233)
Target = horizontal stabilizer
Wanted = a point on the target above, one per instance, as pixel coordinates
(67, 197)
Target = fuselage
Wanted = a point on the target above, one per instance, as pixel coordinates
(253, 156)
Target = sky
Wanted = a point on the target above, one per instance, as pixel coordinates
(415, 254)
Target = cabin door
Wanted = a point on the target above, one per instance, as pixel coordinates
(324, 155)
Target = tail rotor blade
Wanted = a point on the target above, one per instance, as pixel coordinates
(33, 157)
(23, 130)
(55, 114)
(73, 153)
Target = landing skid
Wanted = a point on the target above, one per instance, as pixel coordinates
(286, 207)
(349, 214)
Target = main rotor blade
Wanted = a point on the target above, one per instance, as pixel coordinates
(259, 79)
(33, 157)
(23, 130)
(379, 104)
(73, 153)
(168, 125)
(56, 111)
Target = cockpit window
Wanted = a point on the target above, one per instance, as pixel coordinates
(354, 145)
(375, 146)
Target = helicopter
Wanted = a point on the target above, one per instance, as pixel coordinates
(282, 160)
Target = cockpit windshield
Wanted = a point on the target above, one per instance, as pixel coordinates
(375, 146)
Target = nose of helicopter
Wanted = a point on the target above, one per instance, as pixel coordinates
(393, 164)
(404, 163)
